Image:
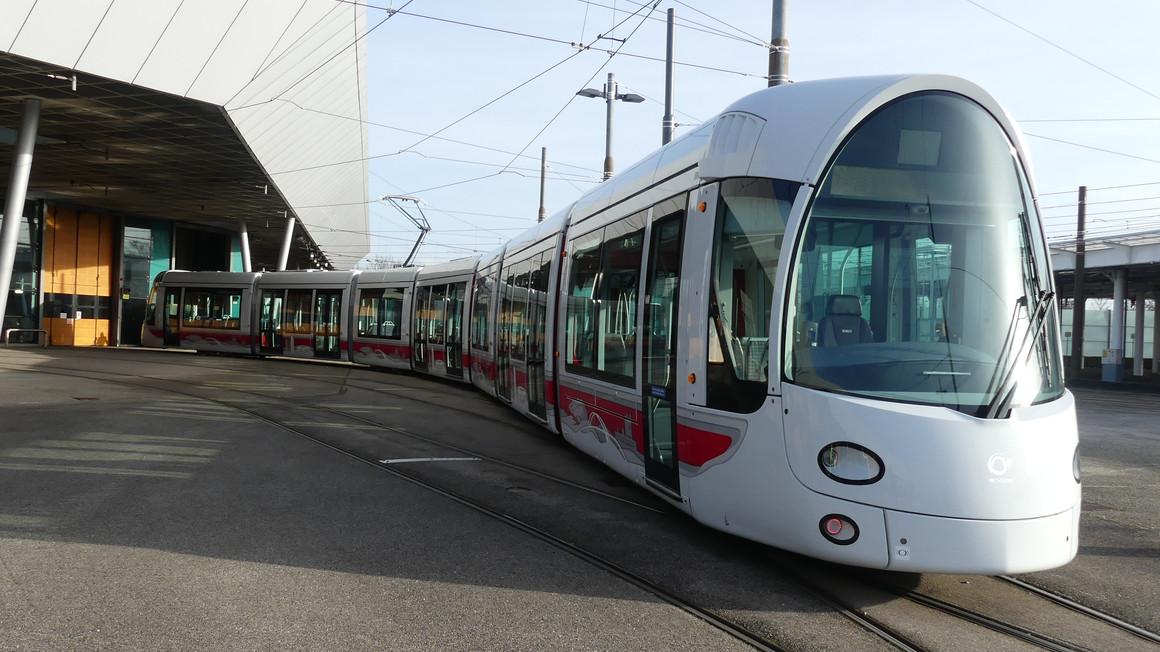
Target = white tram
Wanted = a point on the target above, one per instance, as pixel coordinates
(824, 320)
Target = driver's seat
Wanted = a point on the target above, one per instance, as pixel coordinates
(843, 324)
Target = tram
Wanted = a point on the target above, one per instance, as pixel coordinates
(823, 320)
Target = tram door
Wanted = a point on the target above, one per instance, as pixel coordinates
(537, 336)
(504, 340)
(172, 326)
(270, 323)
(660, 348)
(422, 317)
(327, 322)
(453, 329)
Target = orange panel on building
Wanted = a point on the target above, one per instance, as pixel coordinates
(78, 266)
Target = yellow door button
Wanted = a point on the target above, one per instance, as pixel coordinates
(692, 378)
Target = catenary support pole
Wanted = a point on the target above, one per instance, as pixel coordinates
(284, 256)
(543, 178)
(1113, 370)
(244, 233)
(779, 50)
(610, 97)
(667, 121)
(17, 191)
(1138, 338)
(1078, 311)
(1156, 330)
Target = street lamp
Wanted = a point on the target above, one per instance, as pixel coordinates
(609, 93)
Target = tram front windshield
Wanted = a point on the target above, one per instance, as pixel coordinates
(921, 273)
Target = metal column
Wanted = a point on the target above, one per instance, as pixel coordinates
(1156, 331)
(1113, 369)
(1138, 338)
(17, 191)
(610, 97)
(779, 50)
(667, 120)
(247, 266)
(1079, 304)
(284, 257)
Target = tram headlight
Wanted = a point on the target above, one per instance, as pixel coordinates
(1075, 469)
(850, 463)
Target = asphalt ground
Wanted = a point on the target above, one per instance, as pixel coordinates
(140, 517)
(158, 522)
(1118, 566)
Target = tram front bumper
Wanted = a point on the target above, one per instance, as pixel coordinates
(918, 543)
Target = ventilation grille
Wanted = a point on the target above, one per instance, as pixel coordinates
(735, 133)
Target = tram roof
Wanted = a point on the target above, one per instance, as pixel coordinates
(784, 132)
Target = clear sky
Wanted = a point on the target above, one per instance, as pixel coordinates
(426, 74)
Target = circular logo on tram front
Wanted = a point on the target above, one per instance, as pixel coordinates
(998, 465)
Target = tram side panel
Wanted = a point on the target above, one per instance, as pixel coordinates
(381, 329)
(204, 311)
(598, 386)
(304, 314)
(484, 310)
(441, 310)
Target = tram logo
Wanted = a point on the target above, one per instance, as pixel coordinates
(999, 466)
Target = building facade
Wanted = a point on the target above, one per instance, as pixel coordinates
(175, 135)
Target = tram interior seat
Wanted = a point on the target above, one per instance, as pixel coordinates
(843, 324)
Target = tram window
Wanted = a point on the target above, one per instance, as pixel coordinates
(580, 330)
(391, 314)
(481, 311)
(751, 216)
(297, 313)
(368, 314)
(151, 307)
(518, 325)
(617, 300)
(212, 308)
(438, 308)
(172, 309)
(380, 315)
(538, 307)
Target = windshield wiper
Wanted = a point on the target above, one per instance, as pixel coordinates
(1006, 365)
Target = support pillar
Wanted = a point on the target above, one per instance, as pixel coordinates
(247, 266)
(1156, 331)
(1138, 338)
(284, 257)
(1113, 369)
(17, 191)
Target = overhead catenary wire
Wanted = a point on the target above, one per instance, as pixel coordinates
(1062, 49)
(579, 46)
(374, 123)
(329, 59)
(690, 25)
(1092, 120)
(580, 49)
(1093, 203)
(1118, 212)
(604, 65)
(1093, 147)
(1094, 188)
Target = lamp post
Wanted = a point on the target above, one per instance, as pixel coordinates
(609, 94)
